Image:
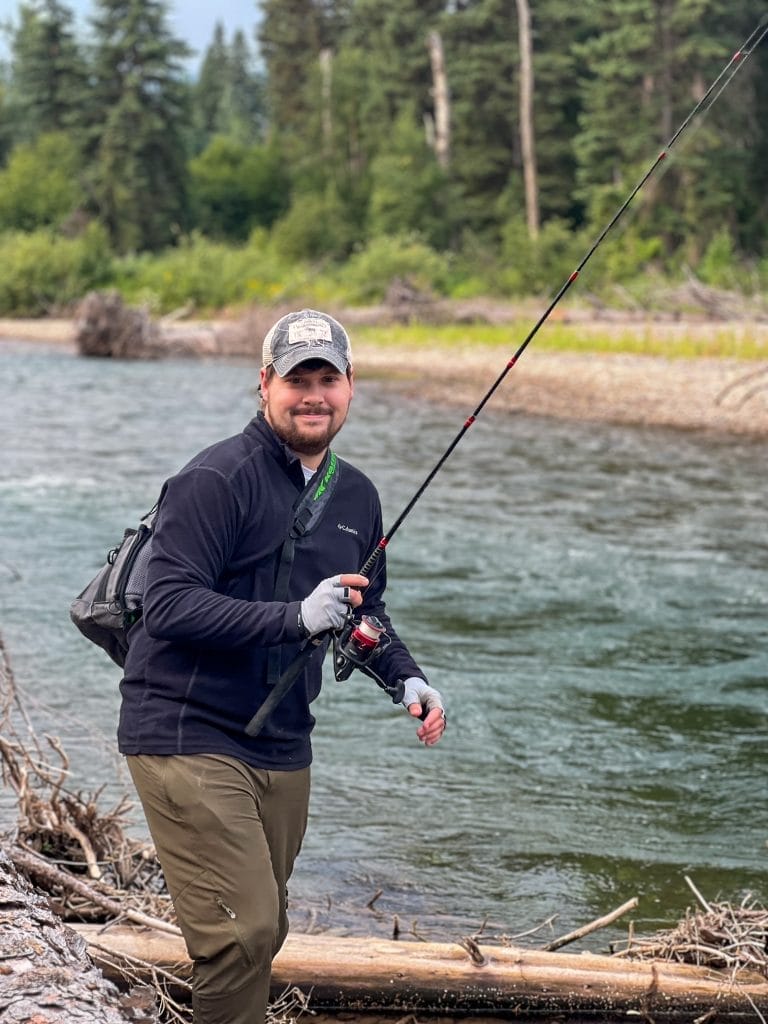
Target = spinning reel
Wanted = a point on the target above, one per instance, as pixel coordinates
(356, 645)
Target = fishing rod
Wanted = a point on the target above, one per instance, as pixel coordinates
(357, 644)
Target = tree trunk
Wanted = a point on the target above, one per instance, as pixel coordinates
(527, 137)
(46, 974)
(441, 96)
(667, 113)
(326, 72)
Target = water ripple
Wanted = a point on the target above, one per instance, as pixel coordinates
(590, 598)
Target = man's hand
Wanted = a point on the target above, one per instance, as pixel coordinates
(327, 606)
(424, 701)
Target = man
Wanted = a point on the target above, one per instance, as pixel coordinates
(230, 600)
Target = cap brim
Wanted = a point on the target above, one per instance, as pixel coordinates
(290, 360)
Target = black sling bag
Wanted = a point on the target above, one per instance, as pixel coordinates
(113, 600)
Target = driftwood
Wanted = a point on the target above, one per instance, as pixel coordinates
(70, 826)
(693, 295)
(107, 328)
(588, 929)
(46, 975)
(373, 975)
(719, 936)
(50, 877)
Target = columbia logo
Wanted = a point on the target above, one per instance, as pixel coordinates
(346, 529)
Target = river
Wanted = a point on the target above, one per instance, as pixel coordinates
(590, 599)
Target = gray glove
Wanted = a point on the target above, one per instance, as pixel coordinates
(325, 608)
(419, 692)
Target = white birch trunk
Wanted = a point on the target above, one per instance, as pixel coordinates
(326, 71)
(527, 136)
(442, 127)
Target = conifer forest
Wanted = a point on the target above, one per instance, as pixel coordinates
(471, 147)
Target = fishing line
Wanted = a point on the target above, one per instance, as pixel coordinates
(709, 98)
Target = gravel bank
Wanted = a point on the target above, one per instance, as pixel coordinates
(699, 394)
(721, 395)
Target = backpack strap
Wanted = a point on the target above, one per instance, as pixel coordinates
(308, 510)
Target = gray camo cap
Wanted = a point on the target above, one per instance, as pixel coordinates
(306, 334)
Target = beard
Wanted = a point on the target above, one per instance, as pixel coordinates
(303, 441)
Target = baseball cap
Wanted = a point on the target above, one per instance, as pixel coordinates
(306, 334)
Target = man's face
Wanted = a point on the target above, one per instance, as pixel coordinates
(307, 407)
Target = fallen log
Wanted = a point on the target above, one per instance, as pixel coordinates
(370, 976)
(50, 876)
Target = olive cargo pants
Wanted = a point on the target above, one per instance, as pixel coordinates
(226, 835)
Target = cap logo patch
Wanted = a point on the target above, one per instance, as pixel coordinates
(309, 331)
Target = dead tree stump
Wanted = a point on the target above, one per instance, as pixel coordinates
(407, 302)
(107, 328)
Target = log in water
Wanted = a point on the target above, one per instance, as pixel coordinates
(373, 975)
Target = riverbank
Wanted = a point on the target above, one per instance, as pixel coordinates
(718, 394)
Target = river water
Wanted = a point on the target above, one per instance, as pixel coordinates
(591, 600)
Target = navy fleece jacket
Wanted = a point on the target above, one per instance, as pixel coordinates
(196, 670)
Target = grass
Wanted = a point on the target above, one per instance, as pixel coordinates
(682, 340)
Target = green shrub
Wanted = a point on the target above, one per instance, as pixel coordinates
(409, 191)
(719, 266)
(39, 186)
(624, 258)
(476, 269)
(367, 275)
(541, 265)
(316, 227)
(42, 273)
(204, 274)
(235, 187)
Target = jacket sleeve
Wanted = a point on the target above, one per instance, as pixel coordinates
(195, 534)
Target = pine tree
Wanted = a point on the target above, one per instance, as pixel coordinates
(242, 113)
(6, 133)
(136, 136)
(374, 79)
(646, 65)
(559, 28)
(481, 59)
(394, 37)
(211, 85)
(48, 71)
(228, 96)
(291, 35)
(753, 221)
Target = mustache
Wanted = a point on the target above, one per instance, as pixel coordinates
(313, 410)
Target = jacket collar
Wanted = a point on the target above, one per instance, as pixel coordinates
(260, 432)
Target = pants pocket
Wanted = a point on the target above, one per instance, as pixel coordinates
(214, 934)
(232, 919)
